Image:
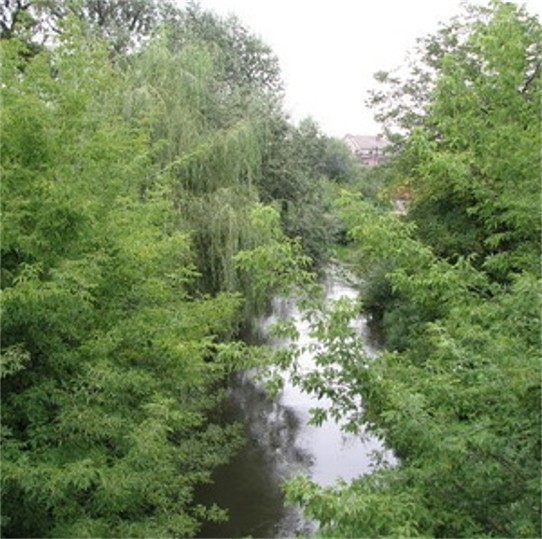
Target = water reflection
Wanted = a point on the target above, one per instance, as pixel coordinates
(249, 485)
(280, 442)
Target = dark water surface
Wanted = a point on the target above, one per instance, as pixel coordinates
(282, 443)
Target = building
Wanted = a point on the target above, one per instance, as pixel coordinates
(369, 149)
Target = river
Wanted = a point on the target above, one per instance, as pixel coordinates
(280, 440)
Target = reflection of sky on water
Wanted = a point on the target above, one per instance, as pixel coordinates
(281, 443)
(334, 454)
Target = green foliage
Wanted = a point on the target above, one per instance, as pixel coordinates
(126, 194)
(456, 285)
(362, 509)
(471, 161)
(275, 265)
(208, 127)
(374, 183)
(123, 25)
(298, 175)
(337, 161)
(247, 64)
(459, 405)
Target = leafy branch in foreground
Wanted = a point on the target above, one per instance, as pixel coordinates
(455, 285)
(468, 452)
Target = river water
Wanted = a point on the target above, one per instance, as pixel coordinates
(280, 440)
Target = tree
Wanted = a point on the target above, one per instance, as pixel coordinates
(456, 395)
(338, 163)
(131, 223)
(112, 355)
(123, 24)
(467, 451)
(471, 158)
(246, 62)
(295, 176)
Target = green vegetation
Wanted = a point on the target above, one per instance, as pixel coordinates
(154, 195)
(134, 242)
(456, 286)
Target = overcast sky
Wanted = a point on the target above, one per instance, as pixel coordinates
(330, 49)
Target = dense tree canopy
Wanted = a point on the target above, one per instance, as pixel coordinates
(154, 192)
(124, 25)
(456, 286)
(128, 189)
(104, 345)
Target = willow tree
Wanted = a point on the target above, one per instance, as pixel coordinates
(206, 133)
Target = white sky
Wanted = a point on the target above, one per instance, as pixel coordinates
(330, 49)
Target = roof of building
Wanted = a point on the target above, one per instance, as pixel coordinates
(363, 142)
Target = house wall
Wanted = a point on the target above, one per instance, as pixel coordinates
(368, 149)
